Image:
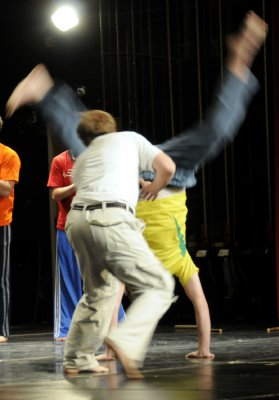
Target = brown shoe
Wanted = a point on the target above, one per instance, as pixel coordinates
(128, 364)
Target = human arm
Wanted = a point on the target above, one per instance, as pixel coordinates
(164, 168)
(9, 171)
(60, 177)
(6, 188)
(61, 193)
(194, 291)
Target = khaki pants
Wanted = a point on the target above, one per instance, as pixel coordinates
(109, 244)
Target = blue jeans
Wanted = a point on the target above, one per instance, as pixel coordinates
(68, 287)
(190, 149)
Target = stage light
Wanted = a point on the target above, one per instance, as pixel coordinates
(65, 18)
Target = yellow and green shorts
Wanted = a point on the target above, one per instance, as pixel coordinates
(165, 228)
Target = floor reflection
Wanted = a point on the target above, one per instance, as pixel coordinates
(246, 367)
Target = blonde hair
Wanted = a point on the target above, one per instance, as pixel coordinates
(94, 123)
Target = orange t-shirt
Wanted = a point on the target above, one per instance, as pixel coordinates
(9, 171)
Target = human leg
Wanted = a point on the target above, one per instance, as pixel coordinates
(5, 240)
(109, 355)
(187, 273)
(92, 316)
(89, 326)
(244, 45)
(68, 286)
(149, 285)
(121, 315)
(30, 90)
(113, 239)
(58, 103)
(193, 147)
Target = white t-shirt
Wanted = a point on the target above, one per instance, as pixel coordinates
(108, 170)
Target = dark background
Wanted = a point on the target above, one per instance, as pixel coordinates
(154, 65)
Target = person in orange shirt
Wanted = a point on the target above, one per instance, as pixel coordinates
(9, 176)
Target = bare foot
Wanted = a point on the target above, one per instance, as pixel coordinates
(244, 45)
(199, 354)
(60, 339)
(3, 339)
(128, 364)
(30, 90)
(107, 356)
(75, 371)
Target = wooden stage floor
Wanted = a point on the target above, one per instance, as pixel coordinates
(246, 367)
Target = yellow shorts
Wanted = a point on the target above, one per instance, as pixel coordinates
(165, 228)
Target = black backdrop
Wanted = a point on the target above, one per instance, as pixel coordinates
(153, 64)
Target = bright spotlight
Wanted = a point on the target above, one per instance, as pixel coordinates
(65, 18)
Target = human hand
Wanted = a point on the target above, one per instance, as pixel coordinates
(148, 190)
(69, 173)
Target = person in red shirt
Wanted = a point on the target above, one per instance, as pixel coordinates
(9, 176)
(67, 281)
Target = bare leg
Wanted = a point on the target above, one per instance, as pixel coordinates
(30, 90)
(194, 292)
(244, 45)
(109, 355)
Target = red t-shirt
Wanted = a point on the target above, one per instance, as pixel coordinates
(58, 178)
(9, 171)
